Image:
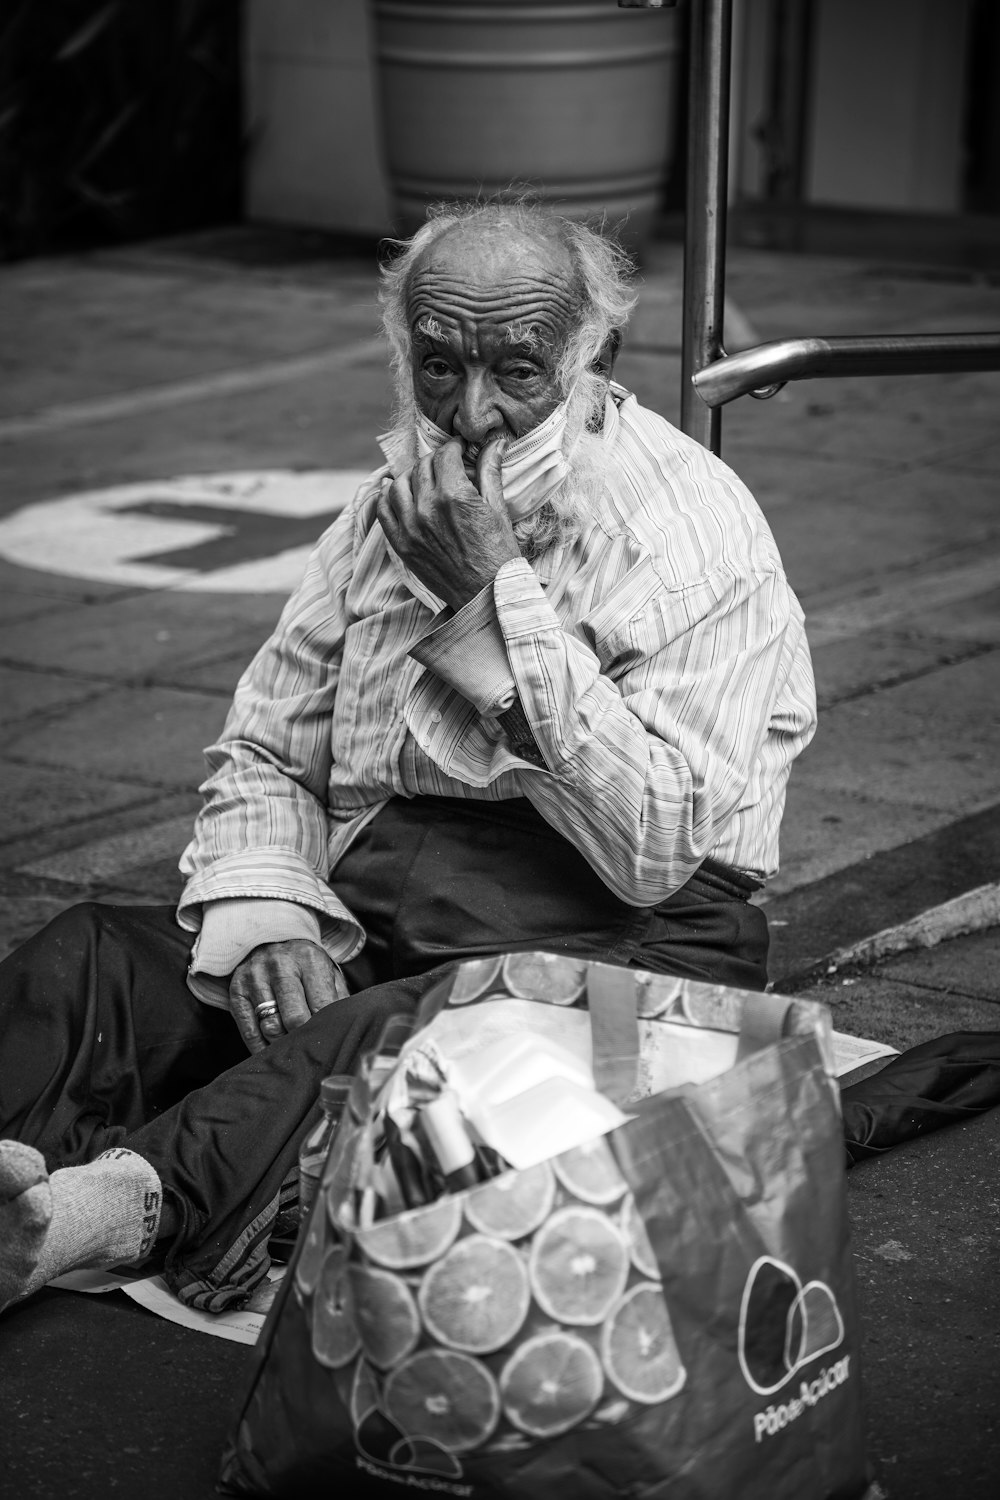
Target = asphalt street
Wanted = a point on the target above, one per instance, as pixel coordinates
(178, 421)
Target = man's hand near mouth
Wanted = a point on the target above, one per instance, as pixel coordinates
(450, 528)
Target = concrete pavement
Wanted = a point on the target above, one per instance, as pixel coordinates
(248, 352)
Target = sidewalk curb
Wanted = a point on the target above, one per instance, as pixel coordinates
(973, 911)
(903, 887)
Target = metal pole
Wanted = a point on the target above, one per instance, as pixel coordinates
(709, 46)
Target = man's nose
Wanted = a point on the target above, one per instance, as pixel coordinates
(477, 416)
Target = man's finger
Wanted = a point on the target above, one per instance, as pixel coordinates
(392, 503)
(488, 471)
(449, 471)
(256, 985)
(242, 1010)
(424, 481)
(322, 980)
(290, 995)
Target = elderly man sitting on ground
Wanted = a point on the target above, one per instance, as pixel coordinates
(540, 687)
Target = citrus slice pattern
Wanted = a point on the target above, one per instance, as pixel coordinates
(613, 1411)
(550, 1383)
(309, 1263)
(638, 1347)
(590, 1172)
(659, 995)
(639, 1247)
(476, 1297)
(513, 1204)
(449, 1398)
(414, 1238)
(578, 1266)
(545, 976)
(385, 1315)
(335, 1339)
(473, 978)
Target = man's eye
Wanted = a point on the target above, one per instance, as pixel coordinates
(521, 372)
(438, 369)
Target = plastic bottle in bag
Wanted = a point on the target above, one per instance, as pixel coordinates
(333, 1092)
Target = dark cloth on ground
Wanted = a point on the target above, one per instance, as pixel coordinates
(940, 1082)
(102, 1044)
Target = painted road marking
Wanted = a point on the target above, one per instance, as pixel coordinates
(180, 392)
(105, 858)
(218, 533)
(914, 594)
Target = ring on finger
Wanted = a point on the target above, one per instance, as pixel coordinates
(266, 1010)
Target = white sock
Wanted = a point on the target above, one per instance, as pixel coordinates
(105, 1213)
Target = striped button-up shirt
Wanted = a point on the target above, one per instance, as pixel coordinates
(659, 657)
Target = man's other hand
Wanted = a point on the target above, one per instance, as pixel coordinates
(454, 536)
(279, 986)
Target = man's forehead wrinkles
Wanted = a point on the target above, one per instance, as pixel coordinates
(524, 316)
(524, 313)
(516, 297)
(431, 275)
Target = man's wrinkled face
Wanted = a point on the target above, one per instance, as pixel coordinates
(489, 311)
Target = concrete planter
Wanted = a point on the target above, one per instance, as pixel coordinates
(311, 116)
(574, 97)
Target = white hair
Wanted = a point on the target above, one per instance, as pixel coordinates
(603, 298)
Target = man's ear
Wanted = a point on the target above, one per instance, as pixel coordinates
(604, 364)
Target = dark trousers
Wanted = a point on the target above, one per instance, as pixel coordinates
(103, 1044)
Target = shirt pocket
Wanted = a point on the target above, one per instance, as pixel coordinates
(643, 618)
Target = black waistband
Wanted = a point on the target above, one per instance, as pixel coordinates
(519, 812)
(729, 881)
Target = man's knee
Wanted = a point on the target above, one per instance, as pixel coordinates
(71, 942)
(72, 931)
(89, 943)
(78, 925)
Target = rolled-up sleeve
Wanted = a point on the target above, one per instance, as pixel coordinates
(468, 651)
(230, 930)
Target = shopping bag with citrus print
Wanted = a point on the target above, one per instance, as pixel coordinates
(665, 1310)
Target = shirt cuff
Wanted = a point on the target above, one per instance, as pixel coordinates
(233, 928)
(468, 652)
(272, 874)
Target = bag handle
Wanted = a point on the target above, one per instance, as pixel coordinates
(614, 1031)
(614, 1028)
(762, 1023)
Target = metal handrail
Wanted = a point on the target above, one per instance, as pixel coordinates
(710, 378)
(764, 369)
